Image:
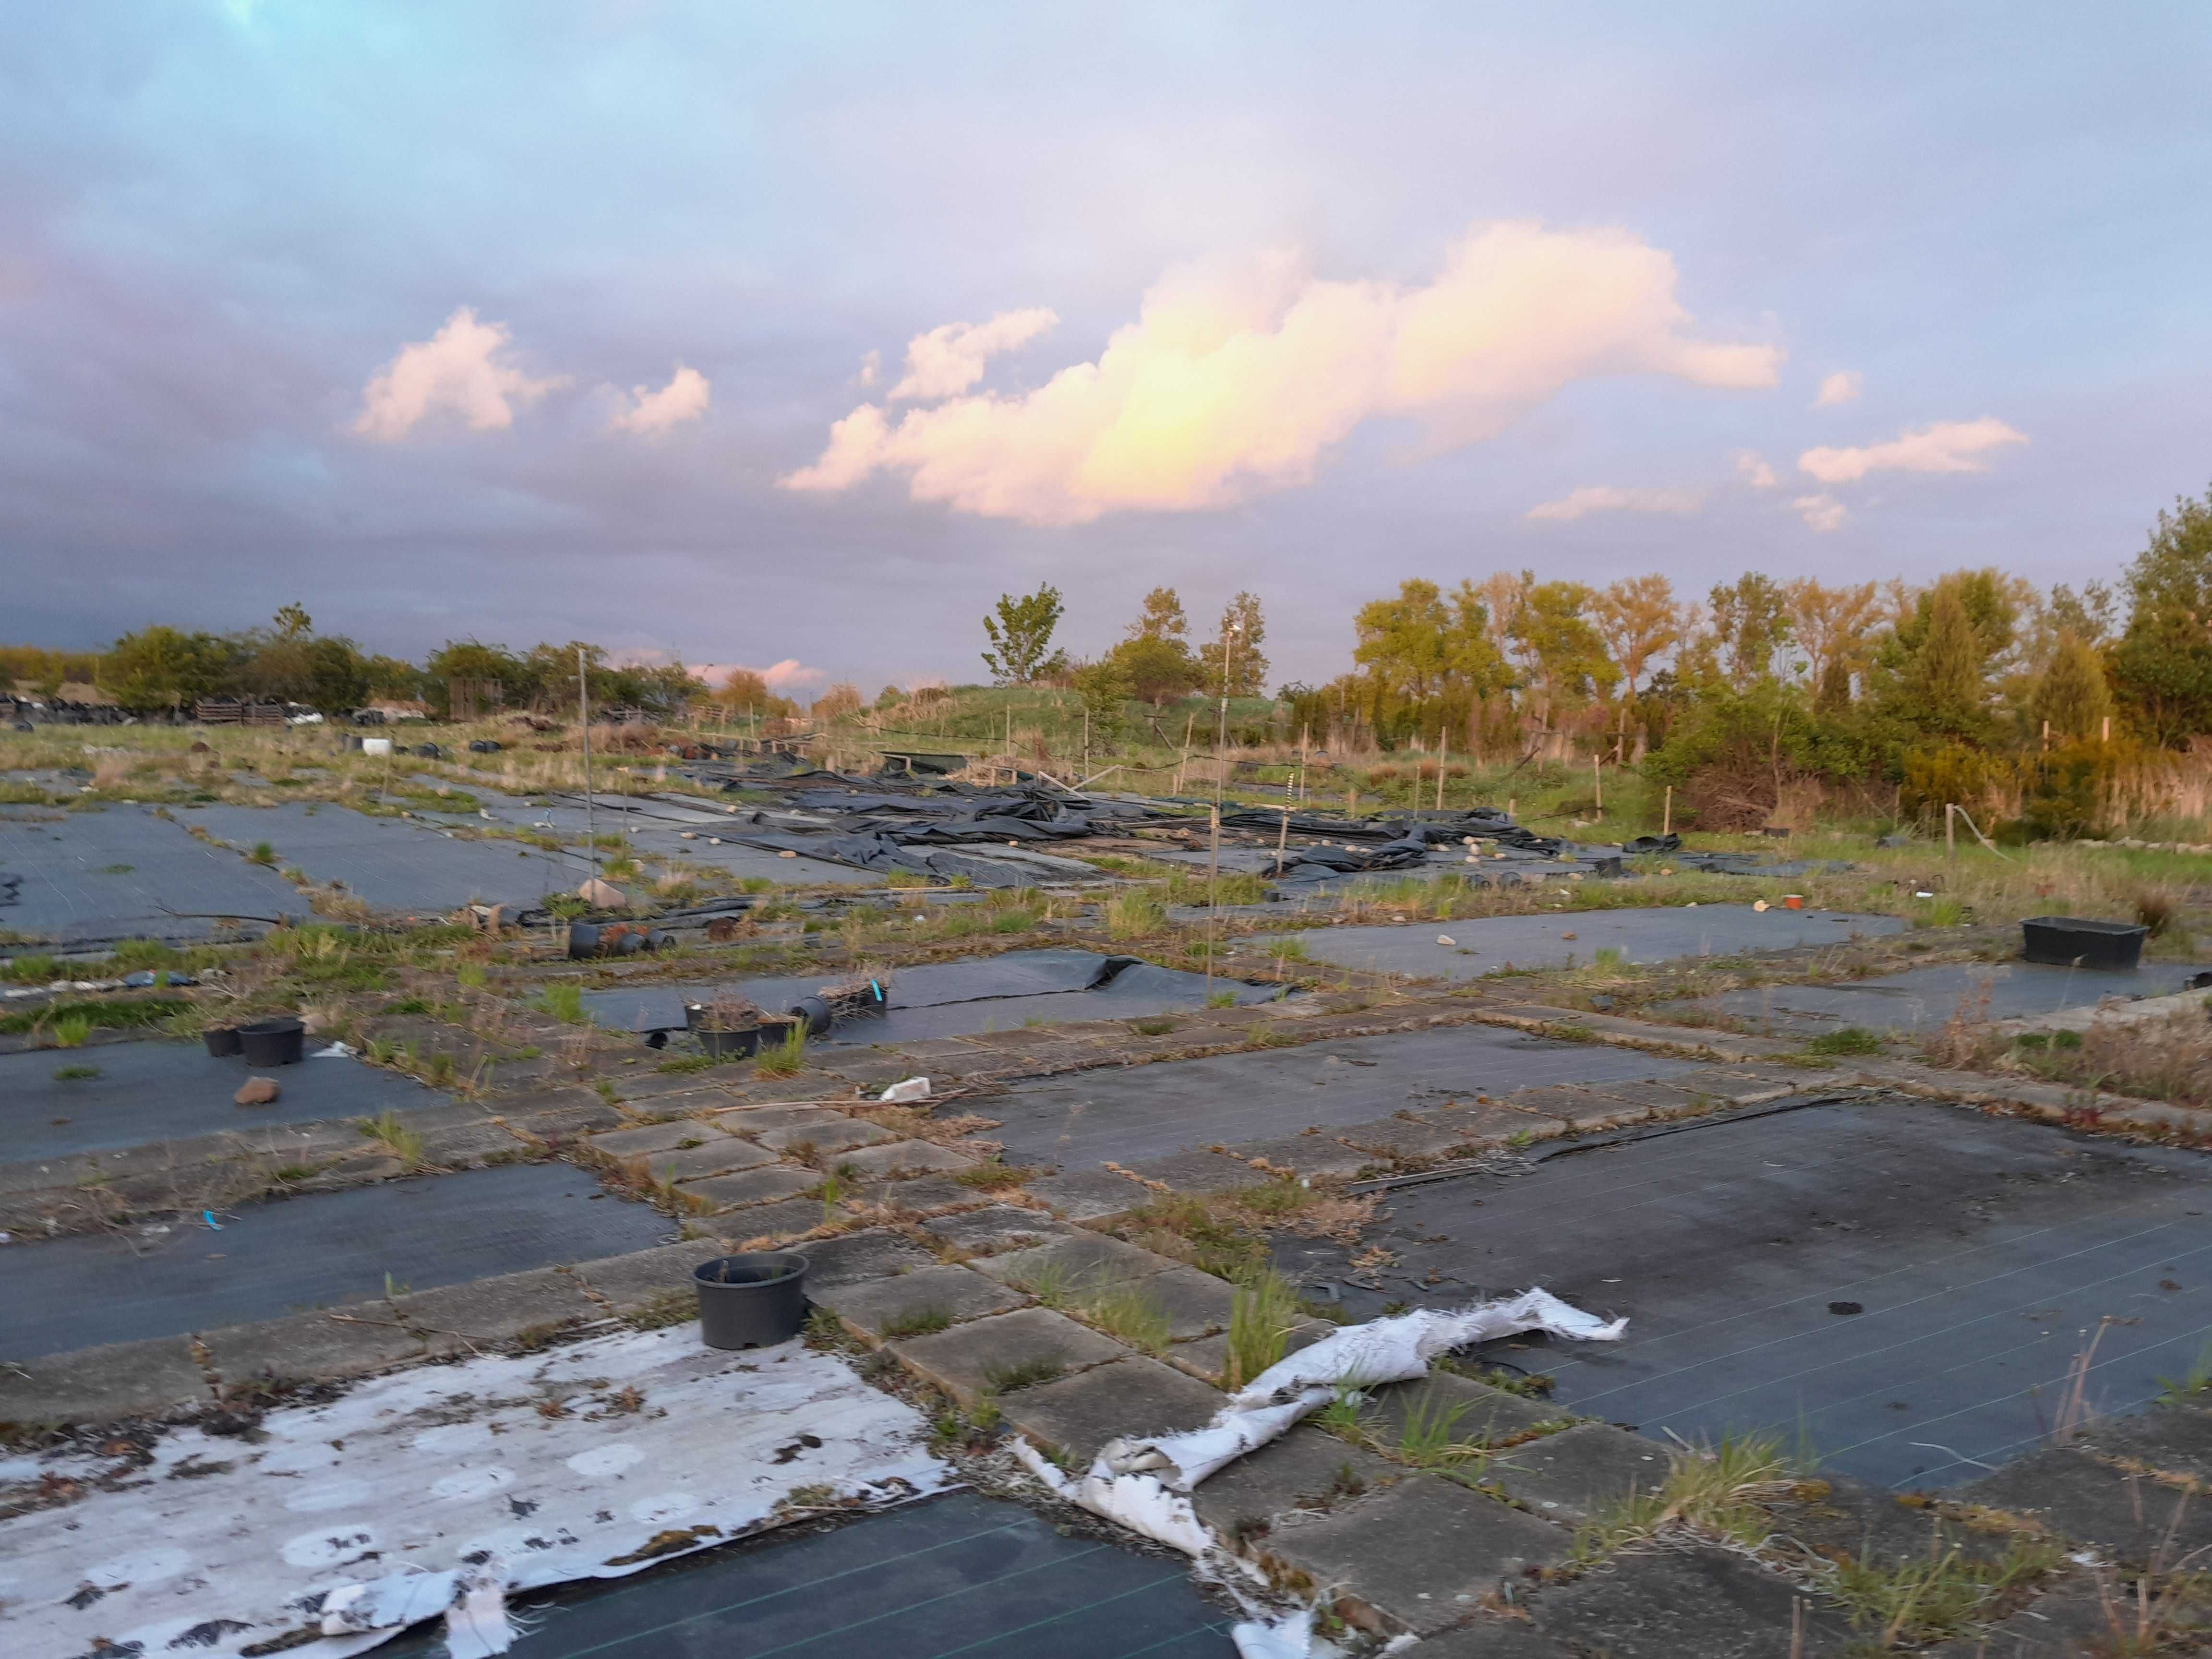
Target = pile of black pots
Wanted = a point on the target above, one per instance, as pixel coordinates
(280, 1041)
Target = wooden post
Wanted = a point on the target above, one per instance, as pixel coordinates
(1212, 890)
(1950, 831)
(2107, 736)
(1511, 802)
(584, 720)
(1283, 840)
(1667, 813)
(2046, 737)
(1444, 749)
(1597, 782)
(1305, 735)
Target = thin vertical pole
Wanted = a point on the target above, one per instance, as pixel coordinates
(1950, 831)
(1667, 813)
(1444, 750)
(1597, 782)
(584, 720)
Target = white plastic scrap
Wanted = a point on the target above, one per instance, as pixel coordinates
(335, 1051)
(914, 1088)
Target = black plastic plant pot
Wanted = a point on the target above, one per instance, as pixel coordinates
(729, 1045)
(2080, 942)
(222, 1040)
(751, 1300)
(817, 1015)
(273, 1042)
(583, 940)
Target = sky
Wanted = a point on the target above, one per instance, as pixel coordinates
(792, 336)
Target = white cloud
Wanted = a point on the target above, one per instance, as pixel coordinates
(1227, 385)
(1614, 498)
(945, 362)
(1752, 468)
(1821, 512)
(1840, 387)
(460, 370)
(684, 399)
(790, 674)
(1945, 446)
(871, 367)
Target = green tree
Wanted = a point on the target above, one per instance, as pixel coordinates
(1156, 669)
(1933, 674)
(293, 622)
(1566, 654)
(2162, 666)
(163, 667)
(1021, 637)
(1748, 621)
(1244, 626)
(1104, 687)
(2072, 697)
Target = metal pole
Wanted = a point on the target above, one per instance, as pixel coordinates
(584, 720)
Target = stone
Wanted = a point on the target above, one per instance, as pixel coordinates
(1400, 1137)
(875, 1254)
(1009, 1350)
(461, 1318)
(715, 1154)
(1477, 1413)
(1578, 1108)
(151, 1378)
(1083, 1262)
(1196, 1304)
(327, 1345)
(1478, 1126)
(997, 1228)
(824, 1139)
(625, 1146)
(1415, 1557)
(923, 1195)
(1310, 1156)
(1304, 1470)
(1088, 1195)
(644, 1277)
(762, 1185)
(879, 1310)
(558, 1125)
(1698, 1600)
(903, 1157)
(770, 1226)
(758, 1120)
(1207, 1358)
(257, 1092)
(602, 895)
(1563, 1477)
(1738, 1087)
(2078, 1498)
(1077, 1415)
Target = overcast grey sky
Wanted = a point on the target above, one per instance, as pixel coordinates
(794, 335)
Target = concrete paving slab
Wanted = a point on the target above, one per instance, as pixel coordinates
(1493, 1636)
(1084, 1260)
(1578, 1108)
(391, 863)
(1474, 1411)
(1410, 1138)
(875, 1254)
(323, 1249)
(462, 1319)
(627, 1145)
(148, 1378)
(1305, 1469)
(765, 1185)
(163, 1090)
(1198, 1172)
(1077, 1415)
(331, 1344)
(641, 1279)
(1087, 1195)
(823, 1138)
(1134, 1113)
(921, 1196)
(1196, 1304)
(1566, 1476)
(772, 1226)
(1565, 939)
(912, 1303)
(898, 1158)
(1313, 1156)
(2086, 1501)
(1416, 1556)
(1005, 1350)
(997, 1228)
(1699, 1599)
(1206, 1357)
(755, 1120)
(714, 1155)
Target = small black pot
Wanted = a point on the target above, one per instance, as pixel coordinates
(278, 1042)
(2066, 941)
(222, 1040)
(729, 1045)
(751, 1300)
(817, 1014)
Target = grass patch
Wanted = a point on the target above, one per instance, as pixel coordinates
(1130, 1313)
(1933, 1597)
(684, 1063)
(120, 1015)
(1024, 1373)
(922, 1321)
(991, 1177)
(1154, 1024)
(564, 1002)
(403, 1143)
(1134, 915)
(1719, 1492)
(786, 1058)
(1261, 1316)
(1852, 1040)
(37, 970)
(75, 1073)
(71, 1030)
(262, 853)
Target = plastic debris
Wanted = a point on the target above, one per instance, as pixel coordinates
(911, 1089)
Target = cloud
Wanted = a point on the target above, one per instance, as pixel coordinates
(1840, 387)
(947, 361)
(1750, 467)
(871, 367)
(1821, 512)
(1227, 385)
(684, 399)
(1614, 498)
(458, 370)
(1945, 446)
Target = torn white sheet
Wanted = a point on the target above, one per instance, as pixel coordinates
(442, 1490)
(1356, 1355)
(912, 1088)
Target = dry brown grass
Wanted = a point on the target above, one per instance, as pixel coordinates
(2168, 1058)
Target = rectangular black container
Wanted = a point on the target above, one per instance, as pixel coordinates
(2065, 941)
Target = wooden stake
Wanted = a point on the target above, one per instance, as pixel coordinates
(1667, 813)
(2046, 737)
(584, 720)
(1444, 749)
(1597, 782)
(2108, 737)
(1950, 831)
